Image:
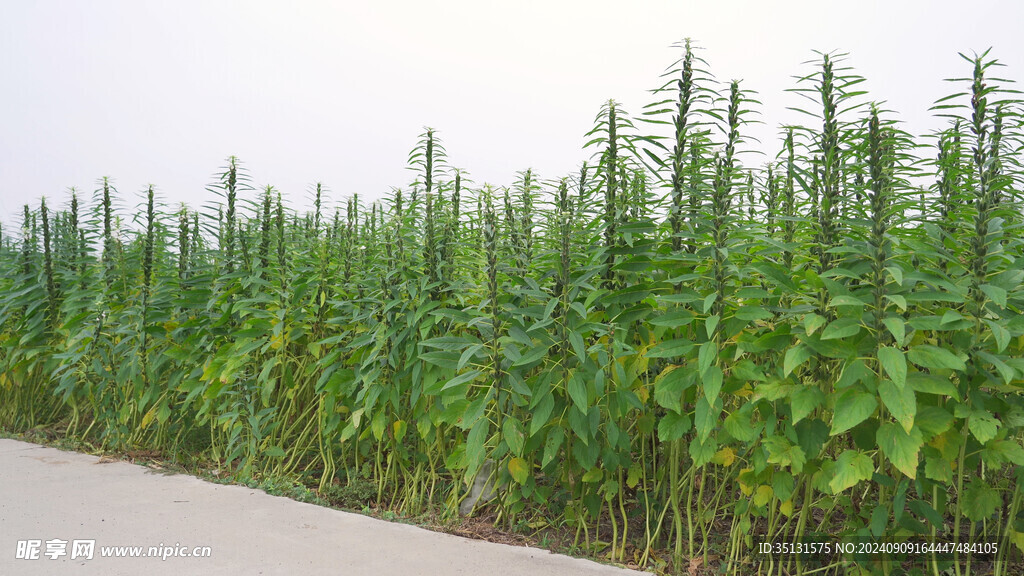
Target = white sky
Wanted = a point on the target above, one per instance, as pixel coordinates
(337, 92)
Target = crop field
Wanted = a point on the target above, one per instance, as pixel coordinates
(672, 357)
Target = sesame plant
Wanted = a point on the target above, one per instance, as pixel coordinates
(671, 357)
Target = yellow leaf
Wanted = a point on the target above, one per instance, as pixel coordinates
(357, 417)
(399, 427)
(641, 364)
(946, 444)
(207, 371)
(763, 495)
(786, 508)
(148, 418)
(724, 457)
(643, 394)
(1018, 539)
(633, 478)
(519, 470)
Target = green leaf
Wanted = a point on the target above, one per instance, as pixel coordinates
(898, 328)
(672, 426)
(670, 348)
(541, 413)
(593, 475)
(925, 510)
(894, 364)
(275, 452)
(896, 273)
(745, 370)
(811, 434)
(378, 424)
(845, 300)
(852, 408)
(551, 445)
(705, 418)
(462, 379)
(670, 385)
(996, 294)
(851, 468)
(702, 452)
(578, 392)
(932, 384)
(706, 357)
(999, 334)
(576, 341)
(935, 358)
(879, 519)
(468, 354)
(795, 356)
(1006, 372)
(841, 328)
(532, 355)
(739, 427)
(610, 489)
(773, 390)
(937, 468)
(447, 359)
(708, 301)
(951, 317)
(898, 300)
(980, 500)
(710, 324)
(674, 319)
(933, 420)
(777, 274)
(901, 402)
(579, 426)
(513, 434)
(983, 425)
(475, 447)
(853, 372)
(473, 412)
(449, 342)
(900, 447)
(751, 313)
(804, 401)
(712, 383)
(783, 453)
(998, 452)
(783, 484)
(812, 322)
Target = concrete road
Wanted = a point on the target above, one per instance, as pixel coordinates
(55, 505)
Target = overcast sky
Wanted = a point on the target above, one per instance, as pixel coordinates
(337, 92)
